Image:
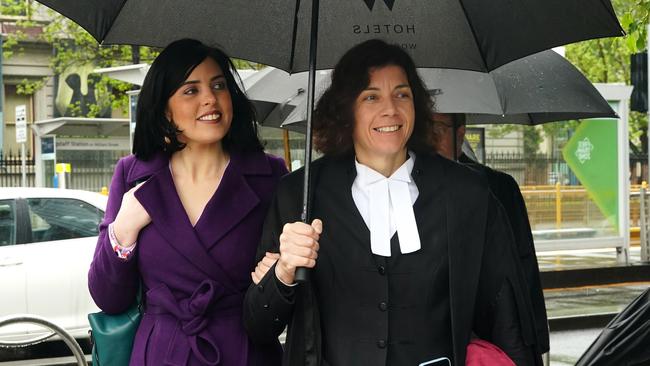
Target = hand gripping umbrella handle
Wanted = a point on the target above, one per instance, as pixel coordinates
(302, 274)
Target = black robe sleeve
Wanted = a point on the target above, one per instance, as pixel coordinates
(501, 311)
(268, 306)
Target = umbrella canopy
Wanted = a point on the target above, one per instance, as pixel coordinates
(625, 340)
(275, 94)
(462, 34)
(540, 88)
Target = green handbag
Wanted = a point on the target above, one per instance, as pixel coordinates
(112, 335)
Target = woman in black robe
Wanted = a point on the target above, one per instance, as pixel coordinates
(409, 253)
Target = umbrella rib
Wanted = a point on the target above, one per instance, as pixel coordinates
(471, 27)
(610, 10)
(117, 13)
(295, 35)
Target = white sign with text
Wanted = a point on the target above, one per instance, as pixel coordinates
(21, 124)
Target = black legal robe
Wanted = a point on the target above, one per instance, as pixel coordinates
(506, 190)
(363, 309)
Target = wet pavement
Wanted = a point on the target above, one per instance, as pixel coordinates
(587, 258)
(568, 304)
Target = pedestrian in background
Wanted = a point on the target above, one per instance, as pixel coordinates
(507, 192)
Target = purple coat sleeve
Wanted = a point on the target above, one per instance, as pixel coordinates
(113, 282)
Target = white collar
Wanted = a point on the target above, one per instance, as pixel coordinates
(386, 205)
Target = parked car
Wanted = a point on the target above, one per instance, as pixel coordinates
(47, 240)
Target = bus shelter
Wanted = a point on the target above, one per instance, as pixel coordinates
(91, 146)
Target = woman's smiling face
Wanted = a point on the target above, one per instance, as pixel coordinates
(202, 107)
(384, 114)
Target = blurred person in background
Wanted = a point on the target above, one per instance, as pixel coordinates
(507, 192)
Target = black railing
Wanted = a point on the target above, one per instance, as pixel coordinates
(11, 171)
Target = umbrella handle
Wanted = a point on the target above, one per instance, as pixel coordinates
(302, 275)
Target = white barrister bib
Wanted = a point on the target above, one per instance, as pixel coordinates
(386, 205)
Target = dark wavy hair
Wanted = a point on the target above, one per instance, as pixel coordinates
(333, 123)
(155, 133)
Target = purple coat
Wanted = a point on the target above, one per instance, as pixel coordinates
(194, 278)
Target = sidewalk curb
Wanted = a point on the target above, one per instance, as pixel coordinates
(574, 322)
(595, 276)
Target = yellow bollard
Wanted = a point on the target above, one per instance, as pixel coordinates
(558, 206)
(104, 191)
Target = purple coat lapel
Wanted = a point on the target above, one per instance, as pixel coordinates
(233, 200)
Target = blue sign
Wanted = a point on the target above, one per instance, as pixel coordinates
(48, 148)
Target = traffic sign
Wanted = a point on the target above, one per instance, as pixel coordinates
(21, 124)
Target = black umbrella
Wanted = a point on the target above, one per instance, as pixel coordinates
(560, 92)
(539, 88)
(625, 340)
(276, 94)
(464, 34)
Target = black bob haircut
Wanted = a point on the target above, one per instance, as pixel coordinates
(334, 113)
(154, 133)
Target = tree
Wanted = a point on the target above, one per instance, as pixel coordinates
(608, 60)
(73, 46)
(605, 60)
(634, 20)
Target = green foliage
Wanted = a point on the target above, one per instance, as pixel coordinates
(14, 8)
(29, 87)
(634, 19)
(608, 60)
(72, 46)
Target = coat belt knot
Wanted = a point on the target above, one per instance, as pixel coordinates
(193, 314)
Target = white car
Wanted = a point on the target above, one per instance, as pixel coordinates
(47, 240)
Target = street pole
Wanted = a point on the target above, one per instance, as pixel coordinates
(21, 137)
(24, 164)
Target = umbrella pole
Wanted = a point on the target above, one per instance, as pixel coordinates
(301, 273)
(287, 149)
(454, 130)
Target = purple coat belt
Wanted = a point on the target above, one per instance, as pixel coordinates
(193, 318)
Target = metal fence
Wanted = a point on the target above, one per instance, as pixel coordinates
(11, 171)
(542, 169)
(87, 175)
(532, 169)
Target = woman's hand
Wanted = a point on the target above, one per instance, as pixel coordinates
(130, 219)
(263, 266)
(298, 248)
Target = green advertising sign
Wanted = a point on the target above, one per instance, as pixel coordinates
(592, 155)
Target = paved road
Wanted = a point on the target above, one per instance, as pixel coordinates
(568, 345)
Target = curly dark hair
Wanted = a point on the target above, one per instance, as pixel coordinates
(154, 133)
(333, 123)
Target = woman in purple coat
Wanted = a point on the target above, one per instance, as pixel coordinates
(185, 214)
